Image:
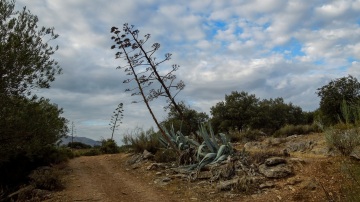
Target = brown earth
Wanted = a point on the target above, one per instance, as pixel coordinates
(318, 177)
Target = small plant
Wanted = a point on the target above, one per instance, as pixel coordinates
(78, 145)
(165, 156)
(109, 146)
(345, 136)
(141, 140)
(46, 178)
(289, 130)
(92, 152)
(245, 136)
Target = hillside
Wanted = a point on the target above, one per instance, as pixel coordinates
(316, 175)
(84, 140)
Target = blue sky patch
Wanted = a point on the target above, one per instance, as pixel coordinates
(290, 49)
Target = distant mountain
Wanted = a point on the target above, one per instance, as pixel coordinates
(84, 140)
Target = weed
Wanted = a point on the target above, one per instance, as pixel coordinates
(289, 130)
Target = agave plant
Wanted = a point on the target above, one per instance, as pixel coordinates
(181, 141)
(212, 150)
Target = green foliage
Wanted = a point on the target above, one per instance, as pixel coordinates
(246, 136)
(46, 178)
(91, 152)
(345, 136)
(109, 146)
(241, 111)
(141, 140)
(235, 112)
(78, 145)
(332, 95)
(289, 130)
(213, 149)
(165, 155)
(188, 123)
(25, 54)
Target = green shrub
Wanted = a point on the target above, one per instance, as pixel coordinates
(141, 140)
(289, 130)
(46, 178)
(343, 139)
(78, 145)
(91, 152)
(245, 136)
(109, 146)
(165, 156)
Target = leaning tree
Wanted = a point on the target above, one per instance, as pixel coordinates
(143, 69)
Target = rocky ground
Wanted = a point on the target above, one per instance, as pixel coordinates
(296, 168)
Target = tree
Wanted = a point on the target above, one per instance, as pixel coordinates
(29, 131)
(116, 119)
(273, 114)
(29, 127)
(189, 123)
(235, 113)
(25, 55)
(143, 69)
(333, 94)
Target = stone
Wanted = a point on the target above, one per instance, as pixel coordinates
(278, 171)
(355, 153)
(273, 161)
(147, 155)
(228, 184)
(266, 185)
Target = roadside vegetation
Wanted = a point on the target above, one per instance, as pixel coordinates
(31, 126)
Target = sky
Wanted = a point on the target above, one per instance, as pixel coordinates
(270, 48)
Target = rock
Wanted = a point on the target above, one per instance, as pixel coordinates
(266, 185)
(273, 161)
(355, 153)
(278, 171)
(300, 146)
(162, 181)
(155, 166)
(228, 184)
(147, 155)
(253, 146)
(293, 181)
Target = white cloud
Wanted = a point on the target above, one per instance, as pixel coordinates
(221, 46)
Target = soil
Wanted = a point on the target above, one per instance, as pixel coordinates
(318, 177)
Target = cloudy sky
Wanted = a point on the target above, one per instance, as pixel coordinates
(270, 48)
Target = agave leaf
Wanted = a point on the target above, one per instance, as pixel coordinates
(222, 150)
(200, 152)
(206, 160)
(223, 138)
(212, 135)
(207, 139)
(221, 158)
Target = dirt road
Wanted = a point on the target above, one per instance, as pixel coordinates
(106, 178)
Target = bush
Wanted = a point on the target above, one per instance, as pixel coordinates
(78, 145)
(109, 146)
(141, 140)
(245, 136)
(165, 156)
(289, 130)
(92, 152)
(46, 178)
(343, 139)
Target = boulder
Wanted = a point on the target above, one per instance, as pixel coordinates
(273, 161)
(278, 171)
(147, 155)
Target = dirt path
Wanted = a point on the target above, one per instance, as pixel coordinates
(105, 178)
